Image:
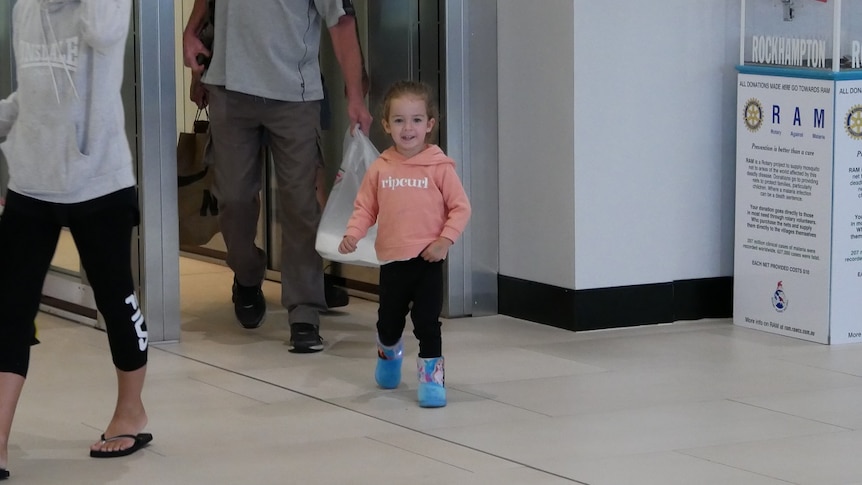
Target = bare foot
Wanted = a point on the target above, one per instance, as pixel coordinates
(128, 421)
(121, 425)
(129, 414)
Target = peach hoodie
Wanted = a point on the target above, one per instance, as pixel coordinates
(413, 200)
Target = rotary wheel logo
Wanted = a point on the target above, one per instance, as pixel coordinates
(753, 115)
(853, 122)
(779, 299)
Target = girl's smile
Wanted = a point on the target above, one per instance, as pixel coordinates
(408, 124)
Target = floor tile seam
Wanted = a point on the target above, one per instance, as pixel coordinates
(472, 393)
(197, 315)
(239, 394)
(817, 367)
(785, 413)
(727, 465)
(476, 450)
(691, 450)
(385, 443)
(602, 372)
(658, 363)
(664, 405)
(536, 379)
(377, 418)
(802, 392)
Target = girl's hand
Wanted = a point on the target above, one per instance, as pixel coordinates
(437, 250)
(348, 245)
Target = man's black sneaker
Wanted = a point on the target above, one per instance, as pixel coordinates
(336, 296)
(249, 305)
(304, 339)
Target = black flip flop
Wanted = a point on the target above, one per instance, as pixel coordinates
(141, 440)
(4, 474)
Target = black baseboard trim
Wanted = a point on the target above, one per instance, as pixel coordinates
(69, 307)
(624, 306)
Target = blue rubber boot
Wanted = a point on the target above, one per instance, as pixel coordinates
(388, 371)
(432, 392)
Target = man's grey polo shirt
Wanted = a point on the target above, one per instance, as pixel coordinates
(269, 48)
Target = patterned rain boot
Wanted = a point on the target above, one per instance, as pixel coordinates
(432, 393)
(388, 371)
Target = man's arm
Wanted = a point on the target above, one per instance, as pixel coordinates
(346, 47)
(192, 45)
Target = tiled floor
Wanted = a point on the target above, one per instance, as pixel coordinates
(702, 403)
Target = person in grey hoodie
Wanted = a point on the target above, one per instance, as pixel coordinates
(70, 166)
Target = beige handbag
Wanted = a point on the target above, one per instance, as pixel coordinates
(197, 206)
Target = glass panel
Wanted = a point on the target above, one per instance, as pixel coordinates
(789, 33)
(851, 35)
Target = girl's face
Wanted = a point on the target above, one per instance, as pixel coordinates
(408, 124)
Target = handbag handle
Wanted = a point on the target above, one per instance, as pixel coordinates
(201, 126)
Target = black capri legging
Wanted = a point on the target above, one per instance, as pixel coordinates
(414, 286)
(102, 230)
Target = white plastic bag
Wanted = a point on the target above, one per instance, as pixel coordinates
(359, 153)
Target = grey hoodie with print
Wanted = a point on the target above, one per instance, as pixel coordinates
(64, 125)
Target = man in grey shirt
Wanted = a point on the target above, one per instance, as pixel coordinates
(264, 82)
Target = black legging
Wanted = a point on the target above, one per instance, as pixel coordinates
(102, 230)
(418, 282)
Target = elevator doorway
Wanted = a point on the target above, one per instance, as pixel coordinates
(451, 46)
(391, 33)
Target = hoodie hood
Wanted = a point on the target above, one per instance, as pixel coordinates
(54, 5)
(431, 155)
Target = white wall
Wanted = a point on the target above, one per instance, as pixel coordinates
(536, 122)
(644, 192)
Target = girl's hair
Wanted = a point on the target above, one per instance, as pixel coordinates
(414, 89)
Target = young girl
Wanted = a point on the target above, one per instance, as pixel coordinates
(419, 204)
